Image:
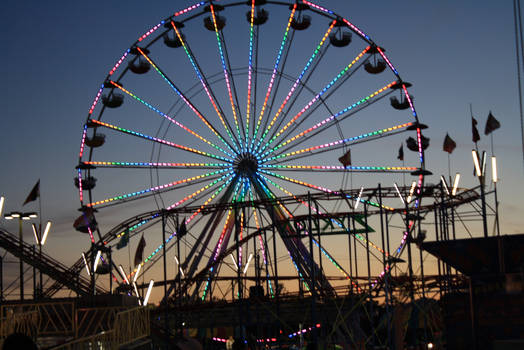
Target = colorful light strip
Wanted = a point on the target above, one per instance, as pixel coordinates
(340, 142)
(338, 167)
(250, 67)
(95, 101)
(150, 31)
(119, 62)
(156, 188)
(387, 60)
(171, 119)
(331, 118)
(226, 72)
(155, 139)
(204, 84)
(275, 69)
(190, 8)
(83, 142)
(299, 79)
(157, 164)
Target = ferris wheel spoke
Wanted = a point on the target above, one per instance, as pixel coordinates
(186, 100)
(207, 88)
(227, 75)
(326, 147)
(340, 168)
(157, 189)
(339, 116)
(297, 81)
(172, 120)
(156, 165)
(156, 140)
(275, 70)
(250, 66)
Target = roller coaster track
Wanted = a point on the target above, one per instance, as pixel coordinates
(69, 277)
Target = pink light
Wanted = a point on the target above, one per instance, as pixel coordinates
(190, 8)
(96, 100)
(387, 60)
(119, 62)
(150, 31)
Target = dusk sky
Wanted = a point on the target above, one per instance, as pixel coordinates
(58, 53)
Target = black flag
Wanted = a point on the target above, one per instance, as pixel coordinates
(449, 144)
(474, 131)
(491, 124)
(401, 152)
(140, 251)
(345, 159)
(34, 194)
(182, 230)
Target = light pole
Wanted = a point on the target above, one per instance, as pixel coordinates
(21, 218)
(40, 239)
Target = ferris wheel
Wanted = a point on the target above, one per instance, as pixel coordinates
(236, 117)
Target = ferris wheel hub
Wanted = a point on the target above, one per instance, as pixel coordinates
(246, 164)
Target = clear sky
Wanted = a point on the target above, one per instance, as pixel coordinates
(56, 54)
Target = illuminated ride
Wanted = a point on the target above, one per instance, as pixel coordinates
(225, 123)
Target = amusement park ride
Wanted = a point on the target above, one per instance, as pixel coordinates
(252, 146)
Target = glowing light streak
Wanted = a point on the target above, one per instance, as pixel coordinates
(137, 272)
(247, 264)
(275, 69)
(444, 184)
(97, 260)
(150, 31)
(157, 164)
(316, 98)
(155, 139)
(317, 6)
(250, 67)
(476, 162)
(338, 167)
(97, 98)
(234, 262)
(358, 198)
(86, 264)
(80, 190)
(207, 201)
(190, 8)
(122, 273)
(226, 72)
(156, 188)
(399, 194)
(204, 84)
(456, 182)
(46, 232)
(2, 200)
(494, 174)
(331, 118)
(148, 293)
(387, 60)
(340, 142)
(119, 62)
(188, 103)
(411, 191)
